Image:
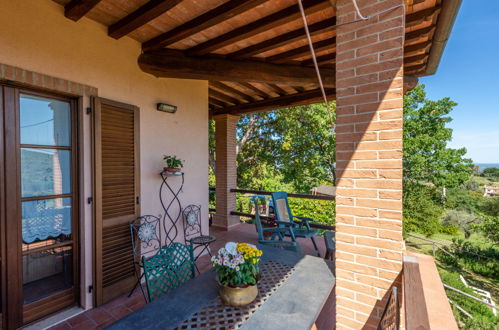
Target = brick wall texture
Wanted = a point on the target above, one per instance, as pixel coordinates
(42, 81)
(369, 82)
(226, 170)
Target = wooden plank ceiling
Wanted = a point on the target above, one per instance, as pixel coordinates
(253, 52)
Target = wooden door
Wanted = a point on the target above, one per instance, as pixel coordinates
(39, 204)
(117, 187)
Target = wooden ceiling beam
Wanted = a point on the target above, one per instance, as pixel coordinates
(221, 86)
(286, 38)
(256, 90)
(421, 16)
(284, 16)
(410, 82)
(417, 49)
(223, 97)
(322, 59)
(217, 103)
(141, 16)
(414, 69)
(213, 17)
(303, 50)
(415, 35)
(76, 9)
(172, 64)
(298, 89)
(414, 60)
(278, 90)
(302, 98)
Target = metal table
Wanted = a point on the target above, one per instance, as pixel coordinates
(295, 305)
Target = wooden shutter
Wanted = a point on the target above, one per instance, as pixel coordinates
(116, 195)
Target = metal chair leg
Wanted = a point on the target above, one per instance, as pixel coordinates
(315, 246)
(205, 247)
(138, 283)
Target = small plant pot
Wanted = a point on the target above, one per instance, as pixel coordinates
(240, 296)
(172, 169)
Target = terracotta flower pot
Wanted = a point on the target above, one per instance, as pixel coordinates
(240, 296)
(171, 169)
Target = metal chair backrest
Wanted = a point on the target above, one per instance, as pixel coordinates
(192, 222)
(146, 236)
(390, 320)
(169, 269)
(281, 206)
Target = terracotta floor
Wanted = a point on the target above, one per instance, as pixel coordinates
(109, 313)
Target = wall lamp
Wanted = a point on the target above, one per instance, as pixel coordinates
(166, 107)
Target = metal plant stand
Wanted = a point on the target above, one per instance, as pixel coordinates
(170, 220)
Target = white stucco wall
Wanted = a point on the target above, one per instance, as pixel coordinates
(35, 35)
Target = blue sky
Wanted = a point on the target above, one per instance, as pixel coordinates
(469, 74)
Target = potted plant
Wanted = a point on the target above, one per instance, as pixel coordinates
(237, 270)
(173, 164)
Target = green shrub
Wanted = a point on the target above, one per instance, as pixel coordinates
(480, 260)
(483, 316)
(422, 208)
(321, 211)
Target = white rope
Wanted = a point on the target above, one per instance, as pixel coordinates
(314, 59)
(364, 18)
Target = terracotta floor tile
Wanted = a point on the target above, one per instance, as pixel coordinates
(106, 324)
(78, 319)
(99, 315)
(120, 312)
(85, 325)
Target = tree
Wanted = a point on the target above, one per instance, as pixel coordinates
(307, 154)
(489, 227)
(427, 158)
(492, 172)
(422, 208)
(428, 162)
(289, 149)
(461, 219)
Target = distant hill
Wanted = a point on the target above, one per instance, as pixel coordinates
(483, 166)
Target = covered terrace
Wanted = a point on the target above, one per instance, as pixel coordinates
(255, 57)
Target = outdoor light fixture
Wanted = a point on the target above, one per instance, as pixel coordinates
(166, 107)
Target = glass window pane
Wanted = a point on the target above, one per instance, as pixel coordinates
(47, 272)
(45, 121)
(45, 172)
(45, 219)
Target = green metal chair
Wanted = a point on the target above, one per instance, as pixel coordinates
(169, 269)
(285, 219)
(278, 234)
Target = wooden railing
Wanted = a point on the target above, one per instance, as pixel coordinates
(269, 193)
(416, 313)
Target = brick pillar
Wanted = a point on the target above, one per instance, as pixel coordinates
(369, 64)
(226, 170)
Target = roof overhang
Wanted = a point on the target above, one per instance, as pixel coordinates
(254, 53)
(450, 9)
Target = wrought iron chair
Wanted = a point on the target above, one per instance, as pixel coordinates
(193, 232)
(278, 234)
(285, 219)
(169, 269)
(146, 242)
